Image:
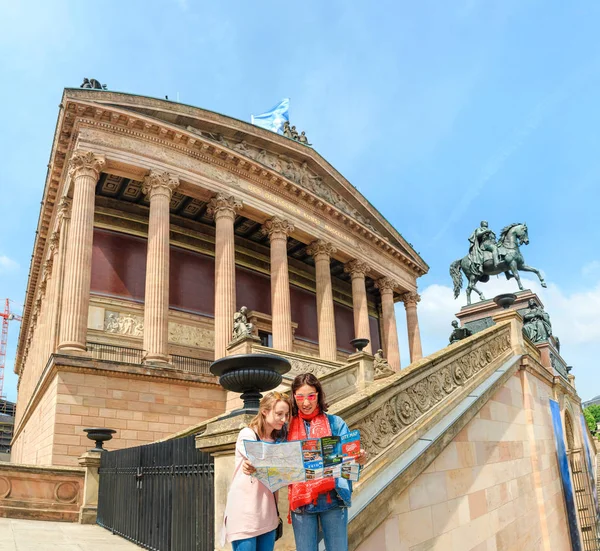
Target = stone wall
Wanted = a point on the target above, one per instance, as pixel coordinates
(495, 486)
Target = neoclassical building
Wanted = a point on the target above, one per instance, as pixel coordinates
(159, 221)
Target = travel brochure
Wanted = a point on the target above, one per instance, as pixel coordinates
(278, 465)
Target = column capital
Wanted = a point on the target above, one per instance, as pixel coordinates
(64, 208)
(357, 268)
(386, 285)
(86, 163)
(277, 228)
(410, 299)
(320, 248)
(159, 183)
(223, 205)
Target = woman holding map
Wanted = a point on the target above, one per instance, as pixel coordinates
(323, 501)
(251, 516)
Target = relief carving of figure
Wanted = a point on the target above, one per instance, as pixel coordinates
(536, 323)
(241, 327)
(381, 366)
(124, 324)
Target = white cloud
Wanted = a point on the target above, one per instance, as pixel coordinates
(591, 269)
(575, 320)
(7, 265)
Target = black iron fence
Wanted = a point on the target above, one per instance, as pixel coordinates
(192, 365)
(159, 496)
(113, 353)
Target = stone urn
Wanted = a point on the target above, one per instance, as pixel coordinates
(99, 435)
(359, 344)
(250, 375)
(505, 300)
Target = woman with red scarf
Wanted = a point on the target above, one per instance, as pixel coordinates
(324, 501)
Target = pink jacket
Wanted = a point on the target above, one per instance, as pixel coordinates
(250, 509)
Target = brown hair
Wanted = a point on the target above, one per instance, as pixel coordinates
(268, 402)
(311, 380)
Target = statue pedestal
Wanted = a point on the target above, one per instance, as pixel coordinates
(479, 316)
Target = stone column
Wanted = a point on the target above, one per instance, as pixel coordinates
(362, 330)
(281, 310)
(55, 299)
(322, 251)
(64, 218)
(224, 209)
(386, 287)
(412, 322)
(85, 169)
(158, 186)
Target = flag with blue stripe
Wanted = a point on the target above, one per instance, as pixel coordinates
(274, 118)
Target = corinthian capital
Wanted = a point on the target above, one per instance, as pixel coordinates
(159, 183)
(410, 299)
(223, 205)
(356, 268)
(277, 228)
(321, 248)
(386, 285)
(86, 163)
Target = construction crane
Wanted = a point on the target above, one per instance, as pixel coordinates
(7, 316)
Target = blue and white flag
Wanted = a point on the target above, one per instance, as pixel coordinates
(274, 118)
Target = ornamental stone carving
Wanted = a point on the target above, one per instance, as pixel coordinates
(321, 248)
(64, 209)
(277, 228)
(86, 163)
(386, 284)
(303, 366)
(53, 243)
(120, 323)
(162, 183)
(380, 427)
(190, 335)
(381, 366)
(410, 299)
(356, 268)
(222, 205)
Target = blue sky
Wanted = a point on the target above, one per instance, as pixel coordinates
(441, 113)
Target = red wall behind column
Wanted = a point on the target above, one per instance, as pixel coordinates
(119, 269)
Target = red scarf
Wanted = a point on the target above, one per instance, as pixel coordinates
(303, 493)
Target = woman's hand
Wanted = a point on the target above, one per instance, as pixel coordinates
(248, 468)
(362, 457)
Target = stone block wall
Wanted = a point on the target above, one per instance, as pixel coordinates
(496, 486)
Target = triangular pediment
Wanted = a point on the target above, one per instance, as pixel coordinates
(297, 162)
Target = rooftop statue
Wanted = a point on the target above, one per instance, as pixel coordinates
(241, 327)
(93, 84)
(459, 333)
(490, 257)
(291, 133)
(536, 323)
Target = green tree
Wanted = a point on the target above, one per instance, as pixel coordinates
(595, 411)
(590, 420)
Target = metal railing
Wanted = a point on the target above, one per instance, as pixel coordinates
(191, 365)
(113, 353)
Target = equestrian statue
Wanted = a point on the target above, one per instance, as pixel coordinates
(488, 256)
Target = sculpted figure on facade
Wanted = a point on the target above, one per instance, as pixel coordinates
(536, 323)
(459, 333)
(241, 326)
(124, 324)
(381, 366)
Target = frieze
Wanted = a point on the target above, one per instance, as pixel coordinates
(304, 366)
(190, 335)
(380, 428)
(120, 323)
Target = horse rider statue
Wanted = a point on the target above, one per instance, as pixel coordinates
(482, 239)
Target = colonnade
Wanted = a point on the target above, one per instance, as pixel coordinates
(85, 170)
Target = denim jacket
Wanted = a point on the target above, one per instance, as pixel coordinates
(343, 487)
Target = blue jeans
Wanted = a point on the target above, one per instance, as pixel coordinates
(264, 542)
(334, 525)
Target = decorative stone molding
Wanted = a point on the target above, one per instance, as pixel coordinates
(64, 209)
(53, 243)
(86, 163)
(223, 205)
(321, 248)
(386, 285)
(160, 183)
(306, 366)
(410, 299)
(410, 402)
(189, 335)
(119, 323)
(356, 268)
(277, 228)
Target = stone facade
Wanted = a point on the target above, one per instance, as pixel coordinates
(150, 235)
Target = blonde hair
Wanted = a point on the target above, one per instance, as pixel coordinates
(269, 401)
